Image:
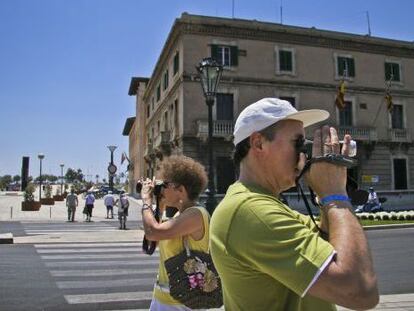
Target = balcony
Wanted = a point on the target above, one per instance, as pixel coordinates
(399, 135)
(162, 139)
(221, 128)
(358, 133)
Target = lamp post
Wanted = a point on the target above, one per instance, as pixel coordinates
(41, 156)
(210, 73)
(111, 168)
(61, 178)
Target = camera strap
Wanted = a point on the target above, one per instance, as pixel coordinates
(335, 159)
(149, 246)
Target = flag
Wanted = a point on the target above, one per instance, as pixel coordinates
(340, 96)
(123, 157)
(388, 98)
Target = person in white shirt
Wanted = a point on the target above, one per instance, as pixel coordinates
(89, 201)
(109, 201)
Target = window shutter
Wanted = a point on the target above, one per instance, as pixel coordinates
(214, 52)
(387, 71)
(285, 60)
(351, 67)
(341, 66)
(234, 54)
(396, 72)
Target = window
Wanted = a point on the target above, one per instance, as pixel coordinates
(345, 66)
(345, 115)
(165, 85)
(152, 103)
(400, 173)
(225, 55)
(291, 100)
(224, 107)
(285, 61)
(392, 71)
(158, 93)
(176, 63)
(176, 119)
(148, 111)
(166, 121)
(397, 117)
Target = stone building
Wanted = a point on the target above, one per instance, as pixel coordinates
(302, 65)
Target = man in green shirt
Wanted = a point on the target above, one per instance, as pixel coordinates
(270, 257)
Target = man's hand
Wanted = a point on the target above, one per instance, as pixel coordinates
(326, 178)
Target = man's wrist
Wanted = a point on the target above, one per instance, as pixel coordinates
(334, 198)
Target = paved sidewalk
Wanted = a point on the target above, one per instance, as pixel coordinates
(10, 210)
(401, 302)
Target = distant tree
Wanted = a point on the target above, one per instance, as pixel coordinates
(47, 177)
(72, 175)
(16, 178)
(5, 181)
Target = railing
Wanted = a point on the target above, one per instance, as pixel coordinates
(358, 133)
(399, 135)
(162, 138)
(221, 128)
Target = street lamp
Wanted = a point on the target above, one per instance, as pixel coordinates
(61, 178)
(41, 156)
(111, 168)
(210, 73)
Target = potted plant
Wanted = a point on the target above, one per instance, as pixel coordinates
(58, 196)
(29, 204)
(48, 200)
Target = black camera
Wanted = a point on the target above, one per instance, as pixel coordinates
(159, 184)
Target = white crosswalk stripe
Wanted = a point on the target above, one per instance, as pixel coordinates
(102, 275)
(112, 263)
(102, 272)
(59, 228)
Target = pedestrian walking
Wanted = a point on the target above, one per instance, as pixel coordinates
(270, 257)
(71, 204)
(123, 205)
(89, 203)
(109, 201)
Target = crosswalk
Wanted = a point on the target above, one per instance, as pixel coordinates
(101, 276)
(96, 275)
(39, 228)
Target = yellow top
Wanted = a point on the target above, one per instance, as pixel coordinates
(172, 247)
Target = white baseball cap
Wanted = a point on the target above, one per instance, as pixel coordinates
(268, 111)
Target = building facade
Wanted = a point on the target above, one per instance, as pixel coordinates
(302, 65)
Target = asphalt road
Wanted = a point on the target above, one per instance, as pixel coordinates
(393, 254)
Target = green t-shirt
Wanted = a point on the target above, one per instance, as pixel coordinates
(266, 253)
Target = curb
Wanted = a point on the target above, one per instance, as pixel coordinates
(396, 226)
(6, 238)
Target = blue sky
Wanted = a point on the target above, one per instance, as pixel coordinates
(66, 65)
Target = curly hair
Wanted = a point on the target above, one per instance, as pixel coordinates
(185, 171)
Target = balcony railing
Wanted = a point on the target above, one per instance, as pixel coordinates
(162, 138)
(358, 133)
(221, 128)
(399, 135)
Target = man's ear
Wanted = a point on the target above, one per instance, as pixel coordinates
(256, 141)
